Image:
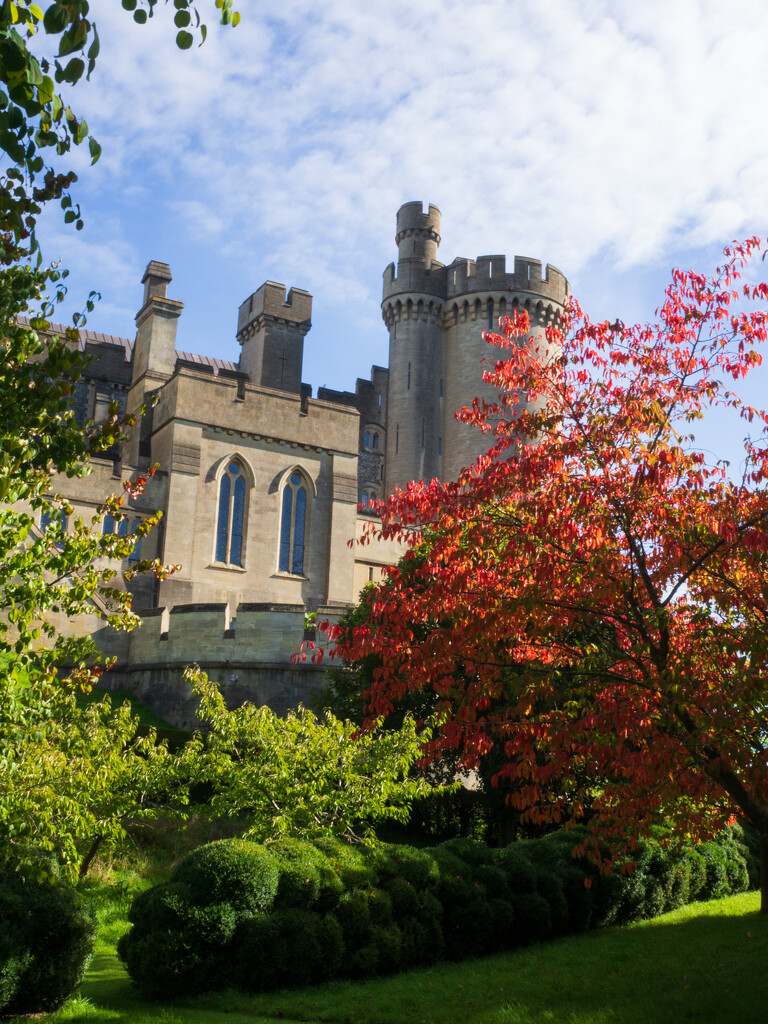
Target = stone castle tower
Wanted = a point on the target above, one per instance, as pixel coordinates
(436, 315)
(266, 490)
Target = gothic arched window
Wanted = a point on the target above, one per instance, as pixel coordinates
(231, 517)
(293, 524)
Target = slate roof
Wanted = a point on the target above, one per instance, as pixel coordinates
(208, 364)
(88, 337)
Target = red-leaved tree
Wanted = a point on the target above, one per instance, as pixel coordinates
(594, 592)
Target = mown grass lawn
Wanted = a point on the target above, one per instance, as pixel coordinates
(705, 963)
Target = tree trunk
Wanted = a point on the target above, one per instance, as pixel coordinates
(764, 873)
(86, 861)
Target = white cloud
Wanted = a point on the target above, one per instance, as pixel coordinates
(606, 137)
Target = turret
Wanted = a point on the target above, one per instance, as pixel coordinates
(418, 233)
(413, 310)
(271, 328)
(436, 316)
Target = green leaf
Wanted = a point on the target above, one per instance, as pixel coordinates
(93, 49)
(55, 19)
(181, 19)
(140, 17)
(129, 5)
(184, 40)
(94, 149)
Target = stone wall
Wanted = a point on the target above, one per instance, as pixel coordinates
(253, 652)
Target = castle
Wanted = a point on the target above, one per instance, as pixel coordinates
(262, 486)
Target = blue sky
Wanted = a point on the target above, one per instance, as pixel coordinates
(612, 139)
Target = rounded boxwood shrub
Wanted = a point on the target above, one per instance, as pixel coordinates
(308, 947)
(353, 867)
(417, 867)
(254, 957)
(579, 899)
(549, 884)
(469, 928)
(532, 917)
(423, 941)
(493, 879)
(519, 872)
(233, 871)
(161, 908)
(182, 930)
(403, 896)
(354, 916)
(456, 885)
(306, 878)
(166, 964)
(471, 851)
(47, 939)
(716, 884)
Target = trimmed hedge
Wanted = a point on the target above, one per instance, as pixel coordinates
(45, 943)
(293, 913)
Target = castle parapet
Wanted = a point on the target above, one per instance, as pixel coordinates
(413, 276)
(271, 300)
(489, 274)
(257, 634)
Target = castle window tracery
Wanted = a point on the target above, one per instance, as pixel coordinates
(371, 440)
(230, 521)
(293, 525)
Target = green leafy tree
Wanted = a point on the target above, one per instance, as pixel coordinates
(299, 775)
(69, 776)
(37, 124)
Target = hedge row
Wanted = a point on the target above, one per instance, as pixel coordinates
(45, 942)
(235, 914)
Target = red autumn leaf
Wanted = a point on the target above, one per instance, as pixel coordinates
(596, 578)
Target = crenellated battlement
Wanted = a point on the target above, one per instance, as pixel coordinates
(489, 273)
(418, 233)
(464, 277)
(271, 300)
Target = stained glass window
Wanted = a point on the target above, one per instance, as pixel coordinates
(230, 524)
(293, 521)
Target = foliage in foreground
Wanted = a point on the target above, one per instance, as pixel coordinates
(300, 775)
(236, 914)
(68, 775)
(36, 122)
(45, 943)
(593, 594)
